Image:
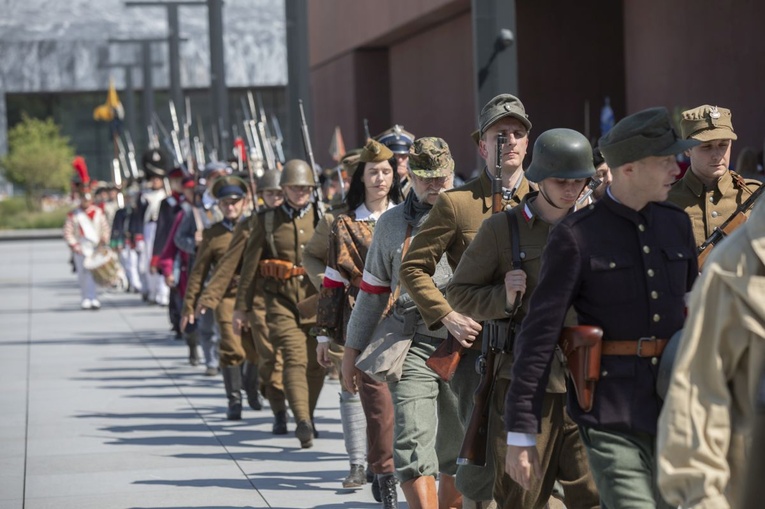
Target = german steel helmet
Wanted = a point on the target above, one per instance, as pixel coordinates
(297, 173)
(270, 180)
(561, 153)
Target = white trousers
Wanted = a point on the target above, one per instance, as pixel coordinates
(88, 289)
(153, 284)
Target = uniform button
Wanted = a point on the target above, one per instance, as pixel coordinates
(654, 295)
(714, 213)
(522, 255)
(650, 272)
(604, 373)
(302, 246)
(646, 249)
(612, 265)
(656, 317)
(711, 199)
(641, 227)
(301, 231)
(654, 361)
(300, 278)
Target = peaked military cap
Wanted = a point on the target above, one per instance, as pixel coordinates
(643, 134)
(396, 139)
(707, 123)
(503, 105)
(430, 158)
(228, 186)
(375, 152)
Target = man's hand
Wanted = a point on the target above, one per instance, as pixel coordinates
(200, 310)
(170, 280)
(197, 238)
(77, 249)
(464, 329)
(322, 354)
(185, 320)
(349, 370)
(515, 284)
(522, 465)
(239, 321)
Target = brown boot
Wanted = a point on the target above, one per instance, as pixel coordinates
(448, 496)
(420, 492)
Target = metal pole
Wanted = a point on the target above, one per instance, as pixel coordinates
(174, 47)
(298, 77)
(489, 18)
(218, 74)
(148, 87)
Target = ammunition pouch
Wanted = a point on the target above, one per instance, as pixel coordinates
(499, 335)
(279, 269)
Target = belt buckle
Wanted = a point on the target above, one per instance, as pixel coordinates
(640, 346)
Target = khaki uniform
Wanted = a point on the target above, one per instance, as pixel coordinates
(226, 270)
(710, 208)
(449, 229)
(303, 376)
(215, 242)
(706, 425)
(478, 290)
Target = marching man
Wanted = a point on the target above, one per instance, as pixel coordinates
(85, 229)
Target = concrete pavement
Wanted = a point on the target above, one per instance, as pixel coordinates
(100, 410)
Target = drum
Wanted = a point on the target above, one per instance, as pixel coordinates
(106, 269)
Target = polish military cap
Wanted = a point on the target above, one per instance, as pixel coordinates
(430, 157)
(396, 139)
(156, 162)
(503, 105)
(643, 134)
(229, 186)
(375, 152)
(350, 161)
(707, 123)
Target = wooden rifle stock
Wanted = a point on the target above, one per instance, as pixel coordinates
(473, 450)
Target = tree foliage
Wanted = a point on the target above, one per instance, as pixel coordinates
(39, 158)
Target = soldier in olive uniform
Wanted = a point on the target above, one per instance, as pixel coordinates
(449, 229)
(274, 253)
(230, 192)
(625, 264)
(485, 287)
(226, 275)
(709, 192)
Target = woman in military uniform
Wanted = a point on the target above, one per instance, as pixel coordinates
(373, 190)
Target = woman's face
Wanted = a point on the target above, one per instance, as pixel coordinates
(378, 179)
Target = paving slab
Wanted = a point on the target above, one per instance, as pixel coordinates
(101, 410)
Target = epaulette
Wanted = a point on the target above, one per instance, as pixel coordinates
(580, 214)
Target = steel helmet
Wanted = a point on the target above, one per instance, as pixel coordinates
(561, 153)
(297, 173)
(270, 180)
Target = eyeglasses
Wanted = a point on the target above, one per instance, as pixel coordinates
(229, 202)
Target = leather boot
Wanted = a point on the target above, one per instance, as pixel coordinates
(304, 433)
(420, 492)
(280, 423)
(252, 385)
(448, 496)
(388, 491)
(356, 477)
(232, 379)
(192, 340)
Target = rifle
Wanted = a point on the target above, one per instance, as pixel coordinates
(131, 156)
(267, 149)
(729, 226)
(366, 130)
(117, 175)
(473, 451)
(278, 139)
(591, 187)
(256, 153)
(311, 161)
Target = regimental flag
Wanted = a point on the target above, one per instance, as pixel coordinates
(111, 111)
(337, 145)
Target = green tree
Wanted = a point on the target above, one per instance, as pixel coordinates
(39, 158)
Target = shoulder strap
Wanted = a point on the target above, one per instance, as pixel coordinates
(268, 223)
(738, 181)
(404, 249)
(515, 241)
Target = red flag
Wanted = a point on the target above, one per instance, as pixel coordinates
(337, 146)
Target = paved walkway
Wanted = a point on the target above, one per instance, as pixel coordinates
(101, 411)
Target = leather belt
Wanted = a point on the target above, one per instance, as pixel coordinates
(643, 347)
